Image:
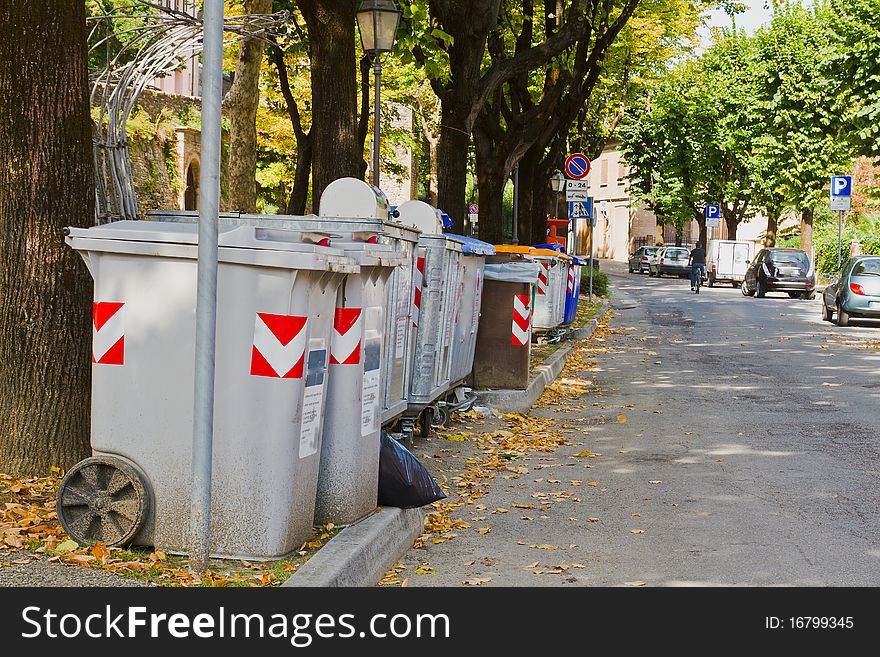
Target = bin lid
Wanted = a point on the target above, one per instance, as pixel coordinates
(351, 197)
(342, 227)
(473, 246)
(512, 272)
(421, 215)
(229, 235)
(552, 247)
(530, 251)
(579, 261)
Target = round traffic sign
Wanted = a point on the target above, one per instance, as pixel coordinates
(473, 208)
(577, 166)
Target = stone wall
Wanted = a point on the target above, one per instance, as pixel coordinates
(161, 155)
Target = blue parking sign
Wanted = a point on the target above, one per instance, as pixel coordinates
(841, 185)
(713, 212)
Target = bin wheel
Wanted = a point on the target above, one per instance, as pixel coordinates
(425, 420)
(103, 498)
(442, 416)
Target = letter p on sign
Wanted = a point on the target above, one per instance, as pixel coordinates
(841, 186)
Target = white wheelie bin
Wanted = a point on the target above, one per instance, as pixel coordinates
(275, 308)
(352, 198)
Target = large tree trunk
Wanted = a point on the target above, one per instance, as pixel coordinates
(807, 231)
(452, 165)
(240, 106)
(331, 25)
(491, 180)
(46, 183)
(772, 228)
(732, 222)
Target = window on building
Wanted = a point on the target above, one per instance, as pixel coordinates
(603, 173)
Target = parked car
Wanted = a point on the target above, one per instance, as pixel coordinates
(855, 293)
(671, 260)
(780, 270)
(639, 261)
(726, 261)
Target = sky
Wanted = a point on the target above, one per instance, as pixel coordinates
(757, 14)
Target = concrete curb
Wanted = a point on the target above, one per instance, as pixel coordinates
(362, 553)
(520, 401)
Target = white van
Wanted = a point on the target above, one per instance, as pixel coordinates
(726, 260)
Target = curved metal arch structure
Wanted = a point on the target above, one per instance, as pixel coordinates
(159, 44)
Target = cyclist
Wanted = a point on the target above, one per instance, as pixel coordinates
(697, 261)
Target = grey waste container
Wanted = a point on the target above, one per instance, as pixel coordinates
(275, 309)
(349, 468)
(467, 307)
(353, 199)
(437, 288)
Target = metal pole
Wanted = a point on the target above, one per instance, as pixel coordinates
(839, 237)
(206, 294)
(377, 70)
(516, 204)
(591, 260)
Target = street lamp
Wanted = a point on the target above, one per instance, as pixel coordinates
(377, 24)
(557, 184)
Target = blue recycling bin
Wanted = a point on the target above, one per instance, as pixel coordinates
(574, 289)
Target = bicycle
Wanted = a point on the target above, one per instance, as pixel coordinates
(697, 280)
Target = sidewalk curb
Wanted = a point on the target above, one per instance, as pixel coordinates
(520, 401)
(362, 553)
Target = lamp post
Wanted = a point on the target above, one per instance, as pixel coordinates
(557, 184)
(377, 24)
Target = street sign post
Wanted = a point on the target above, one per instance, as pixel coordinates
(841, 200)
(713, 216)
(577, 166)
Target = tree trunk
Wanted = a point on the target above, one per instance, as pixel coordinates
(46, 183)
(433, 196)
(300, 195)
(332, 37)
(732, 222)
(807, 231)
(772, 228)
(452, 165)
(240, 106)
(491, 180)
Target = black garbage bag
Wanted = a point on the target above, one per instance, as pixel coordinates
(403, 481)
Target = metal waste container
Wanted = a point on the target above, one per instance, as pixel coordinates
(436, 292)
(503, 346)
(467, 306)
(275, 309)
(352, 198)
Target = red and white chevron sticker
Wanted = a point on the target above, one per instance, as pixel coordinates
(570, 281)
(542, 278)
(522, 320)
(108, 333)
(279, 346)
(348, 331)
(418, 282)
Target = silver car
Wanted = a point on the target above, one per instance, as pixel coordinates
(855, 293)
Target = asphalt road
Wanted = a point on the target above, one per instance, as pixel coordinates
(750, 455)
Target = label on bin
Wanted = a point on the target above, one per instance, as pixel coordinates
(478, 297)
(370, 394)
(400, 336)
(313, 400)
(345, 342)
